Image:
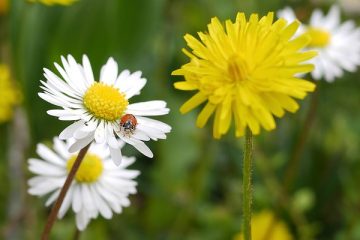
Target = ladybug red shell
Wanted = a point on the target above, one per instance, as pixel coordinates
(128, 123)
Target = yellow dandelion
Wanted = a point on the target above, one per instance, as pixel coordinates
(246, 70)
(54, 2)
(265, 225)
(9, 95)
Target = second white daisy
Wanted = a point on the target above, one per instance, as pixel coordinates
(99, 187)
(101, 109)
(338, 44)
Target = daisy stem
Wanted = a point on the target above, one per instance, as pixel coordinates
(54, 211)
(76, 234)
(247, 186)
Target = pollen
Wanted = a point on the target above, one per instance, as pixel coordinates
(319, 37)
(105, 102)
(90, 168)
(237, 68)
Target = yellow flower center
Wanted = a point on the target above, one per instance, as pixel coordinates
(319, 37)
(237, 68)
(105, 102)
(90, 168)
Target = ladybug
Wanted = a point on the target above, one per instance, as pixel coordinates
(128, 123)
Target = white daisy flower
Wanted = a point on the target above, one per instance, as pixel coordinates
(99, 186)
(338, 44)
(98, 107)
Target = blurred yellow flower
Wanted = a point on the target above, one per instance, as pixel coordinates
(53, 2)
(266, 226)
(9, 95)
(247, 71)
(4, 6)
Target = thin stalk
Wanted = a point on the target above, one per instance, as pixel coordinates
(77, 234)
(54, 211)
(247, 185)
(294, 162)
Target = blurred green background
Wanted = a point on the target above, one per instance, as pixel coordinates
(191, 189)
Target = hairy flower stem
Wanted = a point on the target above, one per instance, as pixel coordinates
(54, 211)
(247, 186)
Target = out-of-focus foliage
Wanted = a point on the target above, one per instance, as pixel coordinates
(191, 189)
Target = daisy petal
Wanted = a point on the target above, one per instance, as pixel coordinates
(77, 200)
(139, 145)
(109, 71)
(89, 76)
(66, 203)
(148, 122)
(88, 202)
(100, 133)
(116, 155)
(70, 130)
(82, 220)
(80, 144)
(150, 108)
(52, 198)
(49, 155)
(127, 161)
(46, 169)
(104, 209)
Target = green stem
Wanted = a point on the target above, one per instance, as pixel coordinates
(77, 234)
(247, 187)
(293, 165)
